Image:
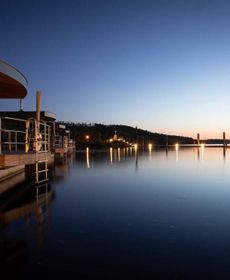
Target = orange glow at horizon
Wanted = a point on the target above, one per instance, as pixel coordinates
(204, 134)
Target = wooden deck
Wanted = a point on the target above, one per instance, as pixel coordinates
(10, 182)
(7, 173)
(13, 159)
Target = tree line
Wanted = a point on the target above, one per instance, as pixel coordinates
(97, 135)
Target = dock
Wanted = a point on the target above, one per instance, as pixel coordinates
(27, 137)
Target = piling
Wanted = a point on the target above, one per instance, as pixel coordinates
(224, 140)
(198, 138)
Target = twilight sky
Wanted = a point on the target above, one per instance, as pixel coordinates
(160, 65)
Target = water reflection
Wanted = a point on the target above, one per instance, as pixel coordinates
(202, 147)
(61, 168)
(119, 154)
(167, 151)
(27, 202)
(136, 157)
(177, 151)
(111, 155)
(224, 153)
(167, 217)
(150, 147)
(87, 157)
(116, 155)
(27, 208)
(200, 152)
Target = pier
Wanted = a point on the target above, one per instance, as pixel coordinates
(27, 137)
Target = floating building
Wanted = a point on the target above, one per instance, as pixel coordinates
(27, 137)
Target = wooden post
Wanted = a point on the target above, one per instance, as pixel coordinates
(38, 105)
(198, 138)
(224, 140)
(27, 137)
(38, 111)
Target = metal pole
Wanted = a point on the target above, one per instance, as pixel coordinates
(21, 104)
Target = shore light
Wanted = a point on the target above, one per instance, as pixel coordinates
(202, 145)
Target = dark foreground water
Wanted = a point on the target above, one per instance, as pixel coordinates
(119, 215)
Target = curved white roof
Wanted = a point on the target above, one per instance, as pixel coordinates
(13, 84)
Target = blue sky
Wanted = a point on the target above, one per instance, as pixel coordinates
(160, 65)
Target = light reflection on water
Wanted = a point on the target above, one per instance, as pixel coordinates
(123, 213)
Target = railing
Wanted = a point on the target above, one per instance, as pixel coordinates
(61, 141)
(18, 135)
(58, 142)
(65, 141)
(43, 139)
(12, 134)
(71, 144)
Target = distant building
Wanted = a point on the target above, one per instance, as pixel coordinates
(115, 136)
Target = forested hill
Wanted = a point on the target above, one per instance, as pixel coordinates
(99, 134)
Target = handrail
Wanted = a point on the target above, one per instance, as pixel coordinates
(15, 143)
(10, 130)
(23, 120)
(11, 138)
(14, 119)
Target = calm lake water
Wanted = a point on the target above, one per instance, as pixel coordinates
(117, 214)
